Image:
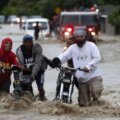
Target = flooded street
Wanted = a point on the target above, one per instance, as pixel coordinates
(109, 107)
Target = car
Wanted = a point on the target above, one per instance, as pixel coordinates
(73, 20)
(43, 23)
(16, 20)
(11, 18)
(35, 16)
(2, 19)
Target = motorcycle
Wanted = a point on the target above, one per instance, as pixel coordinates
(18, 84)
(17, 93)
(65, 84)
(26, 78)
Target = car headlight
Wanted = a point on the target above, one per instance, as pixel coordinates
(67, 34)
(93, 33)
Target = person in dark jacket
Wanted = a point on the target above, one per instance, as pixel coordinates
(7, 59)
(30, 54)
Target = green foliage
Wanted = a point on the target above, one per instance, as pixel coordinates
(9, 10)
(114, 18)
(41, 7)
(3, 3)
(46, 8)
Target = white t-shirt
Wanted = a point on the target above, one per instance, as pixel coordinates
(87, 56)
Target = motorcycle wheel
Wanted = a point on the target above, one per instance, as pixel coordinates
(65, 99)
(70, 101)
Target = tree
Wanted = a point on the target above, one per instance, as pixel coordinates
(44, 7)
(114, 19)
(3, 3)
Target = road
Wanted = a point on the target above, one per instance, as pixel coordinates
(110, 67)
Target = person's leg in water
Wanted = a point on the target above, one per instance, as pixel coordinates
(40, 85)
(96, 88)
(36, 36)
(84, 94)
(90, 91)
(6, 86)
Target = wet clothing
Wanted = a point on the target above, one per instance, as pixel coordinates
(91, 90)
(5, 86)
(70, 62)
(7, 59)
(39, 65)
(40, 79)
(87, 56)
(40, 85)
(89, 84)
(35, 58)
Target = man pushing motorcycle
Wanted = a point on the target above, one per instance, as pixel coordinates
(85, 55)
(33, 65)
(30, 59)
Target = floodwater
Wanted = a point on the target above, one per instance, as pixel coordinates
(29, 109)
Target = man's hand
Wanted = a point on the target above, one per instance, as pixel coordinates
(23, 68)
(86, 69)
(56, 62)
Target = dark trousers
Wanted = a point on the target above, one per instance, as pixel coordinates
(36, 35)
(39, 81)
(5, 86)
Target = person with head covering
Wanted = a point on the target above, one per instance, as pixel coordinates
(33, 64)
(7, 59)
(85, 55)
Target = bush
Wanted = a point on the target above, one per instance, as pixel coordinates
(114, 19)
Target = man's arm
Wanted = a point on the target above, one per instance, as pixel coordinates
(20, 56)
(15, 61)
(96, 57)
(64, 57)
(38, 60)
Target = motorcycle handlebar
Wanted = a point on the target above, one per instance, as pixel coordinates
(15, 68)
(70, 68)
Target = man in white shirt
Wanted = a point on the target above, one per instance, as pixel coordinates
(85, 55)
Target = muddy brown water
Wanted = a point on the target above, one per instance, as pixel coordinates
(57, 107)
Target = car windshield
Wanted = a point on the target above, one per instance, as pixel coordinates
(88, 19)
(70, 19)
(42, 25)
(79, 19)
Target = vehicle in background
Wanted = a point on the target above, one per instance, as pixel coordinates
(13, 19)
(43, 23)
(73, 20)
(35, 16)
(2, 19)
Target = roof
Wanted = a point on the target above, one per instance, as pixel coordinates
(79, 13)
(37, 20)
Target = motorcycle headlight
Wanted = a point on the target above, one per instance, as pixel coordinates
(66, 81)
